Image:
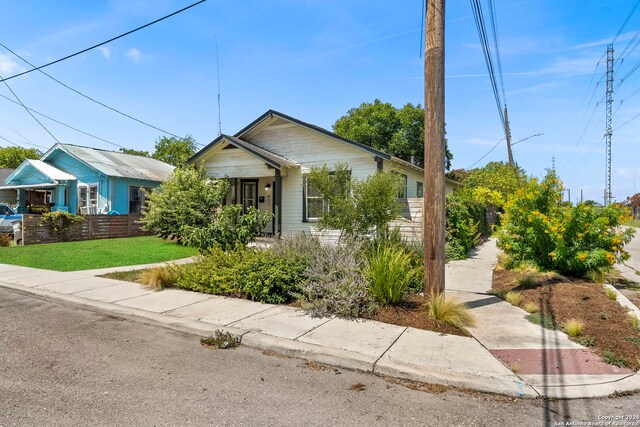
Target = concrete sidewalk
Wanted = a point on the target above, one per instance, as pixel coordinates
(547, 360)
(481, 363)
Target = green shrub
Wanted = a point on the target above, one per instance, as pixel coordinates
(462, 228)
(273, 279)
(60, 223)
(259, 275)
(229, 228)
(335, 282)
(356, 206)
(389, 272)
(572, 240)
(586, 341)
(187, 198)
(215, 273)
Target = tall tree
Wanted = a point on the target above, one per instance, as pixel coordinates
(175, 151)
(135, 152)
(384, 127)
(12, 157)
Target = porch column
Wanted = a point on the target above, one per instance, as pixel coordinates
(22, 198)
(277, 201)
(60, 204)
(234, 191)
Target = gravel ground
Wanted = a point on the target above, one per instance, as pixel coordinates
(65, 366)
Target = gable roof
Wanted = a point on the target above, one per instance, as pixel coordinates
(272, 113)
(52, 173)
(272, 159)
(114, 164)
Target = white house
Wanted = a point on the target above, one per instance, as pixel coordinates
(268, 159)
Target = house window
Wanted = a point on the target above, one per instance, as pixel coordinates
(420, 189)
(314, 203)
(403, 193)
(88, 200)
(137, 197)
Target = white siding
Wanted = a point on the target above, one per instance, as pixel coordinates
(235, 163)
(308, 148)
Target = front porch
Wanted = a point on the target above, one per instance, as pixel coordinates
(263, 193)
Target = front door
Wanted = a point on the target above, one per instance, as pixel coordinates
(249, 195)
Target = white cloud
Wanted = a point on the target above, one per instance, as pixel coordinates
(133, 54)
(106, 52)
(8, 65)
(622, 37)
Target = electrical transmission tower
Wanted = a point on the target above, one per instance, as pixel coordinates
(609, 99)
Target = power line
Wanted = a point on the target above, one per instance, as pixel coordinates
(488, 152)
(482, 34)
(496, 44)
(628, 121)
(89, 97)
(28, 111)
(104, 42)
(633, 10)
(64, 124)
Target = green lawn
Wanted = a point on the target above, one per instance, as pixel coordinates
(90, 254)
(633, 223)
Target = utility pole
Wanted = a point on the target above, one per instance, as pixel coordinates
(507, 131)
(434, 154)
(609, 131)
(581, 196)
(569, 194)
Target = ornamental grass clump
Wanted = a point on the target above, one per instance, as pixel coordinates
(572, 240)
(389, 272)
(610, 293)
(531, 307)
(573, 327)
(157, 278)
(448, 310)
(513, 298)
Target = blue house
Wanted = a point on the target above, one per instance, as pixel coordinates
(84, 180)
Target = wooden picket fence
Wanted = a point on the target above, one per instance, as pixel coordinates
(92, 228)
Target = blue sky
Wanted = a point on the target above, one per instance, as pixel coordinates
(316, 59)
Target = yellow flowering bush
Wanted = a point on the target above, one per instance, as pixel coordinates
(573, 240)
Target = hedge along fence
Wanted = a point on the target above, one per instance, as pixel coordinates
(92, 228)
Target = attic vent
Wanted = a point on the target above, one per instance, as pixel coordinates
(229, 147)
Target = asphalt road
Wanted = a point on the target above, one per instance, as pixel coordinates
(60, 365)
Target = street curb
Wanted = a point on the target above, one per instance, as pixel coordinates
(325, 355)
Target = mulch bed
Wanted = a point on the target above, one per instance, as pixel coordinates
(605, 321)
(412, 312)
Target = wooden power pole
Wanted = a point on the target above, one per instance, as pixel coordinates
(507, 131)
(434, 154)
